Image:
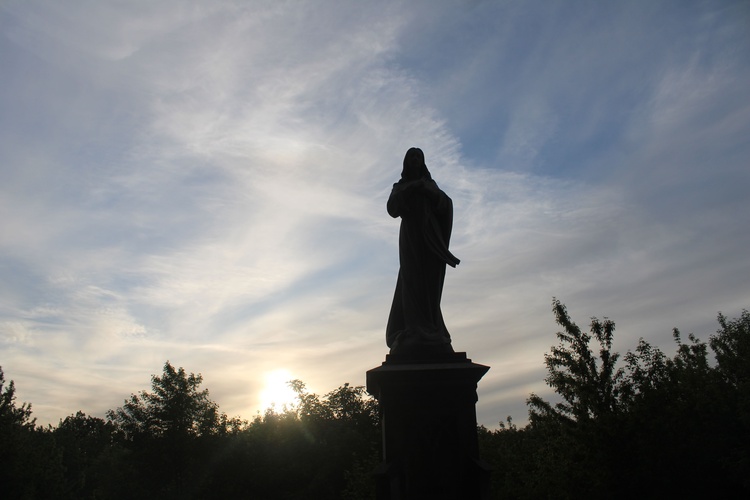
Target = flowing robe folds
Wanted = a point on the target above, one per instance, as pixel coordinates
(415, 324)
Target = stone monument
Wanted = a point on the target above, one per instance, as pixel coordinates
(427, 392)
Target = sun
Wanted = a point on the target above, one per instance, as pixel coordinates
(276, 392)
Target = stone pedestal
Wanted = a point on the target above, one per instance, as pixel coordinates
(429, 423)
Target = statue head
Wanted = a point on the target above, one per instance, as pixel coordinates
(414, 165)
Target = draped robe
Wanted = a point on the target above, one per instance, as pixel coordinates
(415, 323)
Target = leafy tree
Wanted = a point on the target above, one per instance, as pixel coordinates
(672, 407)
(168, 435)
(344, 425)
(731, 346)
(589, 386)
(31, 465)
(176, 407)
(579, 430)
(345, 405)
(514, 455)
(642, 430)
(11, 415)
(321, 447)
(15, 423)
(87, 445)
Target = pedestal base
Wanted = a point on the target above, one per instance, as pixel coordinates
(429, 423)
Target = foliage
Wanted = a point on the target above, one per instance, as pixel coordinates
(590, 386)
(86, 443)
(176, 408)
(578, 431)
(173, 442)
(731, 345)
(10, 415)
(30, 463)
(169, 433)
(320, 448)
(658, 426)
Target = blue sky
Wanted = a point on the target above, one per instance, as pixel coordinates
(205, 183)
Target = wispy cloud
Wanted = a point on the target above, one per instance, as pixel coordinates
(206, 184)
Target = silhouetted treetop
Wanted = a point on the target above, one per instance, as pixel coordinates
(176, 407)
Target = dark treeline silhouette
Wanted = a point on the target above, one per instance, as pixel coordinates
(644, 426)
(654, 427)
(173, 442)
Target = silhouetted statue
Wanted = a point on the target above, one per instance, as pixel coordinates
(415, 324)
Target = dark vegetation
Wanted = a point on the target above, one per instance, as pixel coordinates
(644, 426)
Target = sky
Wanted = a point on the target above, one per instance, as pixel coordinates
(205, 183)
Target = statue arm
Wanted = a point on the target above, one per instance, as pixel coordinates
(395, 201)
(440, 201)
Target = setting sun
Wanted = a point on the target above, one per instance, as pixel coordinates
(276, 392)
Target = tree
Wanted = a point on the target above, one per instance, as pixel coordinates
(168, 435)
(514, 455)
(345, 424)
(10, 415)
(731, 346)
(15, 424)
(645, 429)
(581, 429)
(87, 445)
(348, 405)
(176, 407)
(31, 465)
(673, 407)
(589, 386)
(321, 447)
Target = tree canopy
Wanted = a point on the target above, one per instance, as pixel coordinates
(176, 407)
(654, 426)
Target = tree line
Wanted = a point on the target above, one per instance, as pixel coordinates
(652, 427)
(173, 442)
(645, 425)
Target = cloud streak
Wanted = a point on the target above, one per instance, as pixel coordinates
(207, 185)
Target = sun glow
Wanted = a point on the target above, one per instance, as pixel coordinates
(276, 392)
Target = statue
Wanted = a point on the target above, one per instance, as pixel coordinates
(415, 324)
